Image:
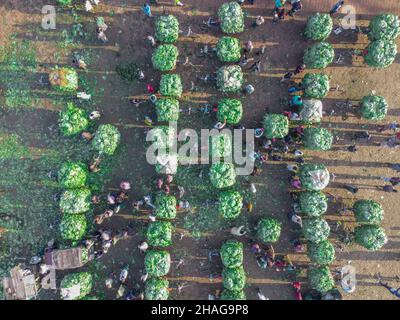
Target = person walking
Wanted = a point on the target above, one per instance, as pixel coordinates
(147, 10)
(336, 7)
(296, 7)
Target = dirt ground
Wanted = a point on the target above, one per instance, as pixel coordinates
(284, 49)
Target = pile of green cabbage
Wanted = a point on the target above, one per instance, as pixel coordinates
(165, 206)
(73, 226)
(229, 49)
(321, 279)
(317, 139)
(221, 145)
(231, 16)
(167, 109)
(230, 110)
(313, 203)
(384, 27)
(322, 253)
(269, 230)
(316, 85)
(368, 211)
(164, 136)
(72, 120)
(156, 289)
(373, 107)
(230, 79)
(314, 176)
(171, 85)
(76, 201)
(232, 254)
(319, 55)
(157, 263)
(371, 237)
(167, 28)
(233, 295)
(381, 53)
(276, 126)
(73, 175)
(319, 26)
(106, 139)
(233, 278)
(164, 57)
(159, 234)
(222, 175)
(82, 279)
(316, 229)
(230, 204)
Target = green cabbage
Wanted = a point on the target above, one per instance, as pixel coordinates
(167, 109)
(75, 201)
(230, 204)
(373, 107)
(370, 237)
(165, 206)
(171, 85)
(164, 57)
(72, 120)
(319, 55)
(221, 145)
(230, 110)
(316, 230)
(317, 139)
(233, 278)
(157, 263)
(321, 279)
(73, 175)
(232, 254)
(64, 79)
(314, 176)
(164, 137)
(322, 253)
(368, 211)
(233, 295)
(230, 79)
(276, 126)
(313, 203)
(229, 49)
(167, 28)
(231, 17)
(222, 175)
(384, 27)
(159, 234)
(319, 26)
(316, 85)
(73, 226)
(269, 230)
(82, 279)
(106, 139)
(381, 53)
(156, 289)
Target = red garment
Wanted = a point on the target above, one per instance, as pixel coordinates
(398, 135)
(298, 296)
(150, 89)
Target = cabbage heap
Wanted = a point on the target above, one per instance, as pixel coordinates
(75, 201)
(72, 120)
(384, 27)
(322, 253)
(368, 211)
(76, 285)
(222, 175)
(276, 126)
(370, 237)
(314, 176)
(157, 263)
(164, 136)
(156, 289)
(230, 110)
(321, 279)
(64, 79)
(373, 107)
(106, 139)
(232, 254)
(316, 85)
(269, 230)
(167, 28)
(73, 226)
(316, 230)
(313, 203)
(167, 109)
(233, 278)
(171, 85)
(231, 16)
(381, 53)
(159, 234)
(319, 26)
(165, 206)
(233, 295)
(229, 49)
(317, 139)
(221, 145)
(319, 55)
(73, 175)
(230, 79)
(230, 204)
(164, 57)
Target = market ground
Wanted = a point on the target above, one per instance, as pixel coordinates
(284, 47)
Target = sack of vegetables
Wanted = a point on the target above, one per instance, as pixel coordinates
(157, 263)
(167, 28)
(159, 234)
(156, 289)
(165, 206)
(222, 175)
(171, 85)
(276, 126)
(228, 49)
(385, 26)
(316, 85)
(231, 16)
(106, 139)
(73, 227)
(370, 237)
(72, 120)
(321, 279)
(368, 211)
(314, 176)
(322, 253)
(230, 111)
(230, 79)
(164, 57)
(75, 201)
(317, 139)
(313, 203)
(232, 254)
(76, 286)
(233, 278)
(319, 55)
(221, 145)
(167, 109)
(316, 229)
(269, 230)
(373, 107)
(233, 295)
(73, 175)
(64, 79)
(230, 204)
(381, 53)
(319, 26)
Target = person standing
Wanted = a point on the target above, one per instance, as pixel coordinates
(296, 7)
(279, 10)
(147, 10)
